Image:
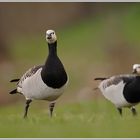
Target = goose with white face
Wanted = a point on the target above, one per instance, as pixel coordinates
(136, 69)
(51, 36)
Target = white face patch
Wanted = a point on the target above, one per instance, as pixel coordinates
(136, 67)
(50, 36)
(138, 70)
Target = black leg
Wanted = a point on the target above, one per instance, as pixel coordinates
(120, 111)
(134, 112)
(51, 107)
(26, 107)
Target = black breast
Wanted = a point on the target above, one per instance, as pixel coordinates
(132, 90)
(53, 73)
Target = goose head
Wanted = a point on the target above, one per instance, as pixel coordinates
(51, 36)
(136, 69)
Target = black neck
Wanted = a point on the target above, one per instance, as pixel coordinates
(53, 73)
(52, 48)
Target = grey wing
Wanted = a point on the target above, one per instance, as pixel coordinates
(114, 80)
(28, 73)
(128, 78)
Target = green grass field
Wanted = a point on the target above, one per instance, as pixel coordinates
(84, 120)
(83, 48)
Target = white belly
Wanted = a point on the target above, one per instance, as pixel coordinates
(35, 88)
(114, 93)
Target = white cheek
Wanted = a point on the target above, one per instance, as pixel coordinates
(138, 70)
(54, 37)
(46, 39)
(52, 40)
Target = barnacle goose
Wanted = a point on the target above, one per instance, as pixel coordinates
(44, 82)
(122, 90)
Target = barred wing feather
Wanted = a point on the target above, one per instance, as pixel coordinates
(28, 74)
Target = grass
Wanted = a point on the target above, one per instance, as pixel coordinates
(78, 120)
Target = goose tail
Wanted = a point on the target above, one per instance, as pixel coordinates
(14, 80)
(13, 91)
(100, 78)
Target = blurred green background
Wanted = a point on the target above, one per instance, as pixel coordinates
(94, 39)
